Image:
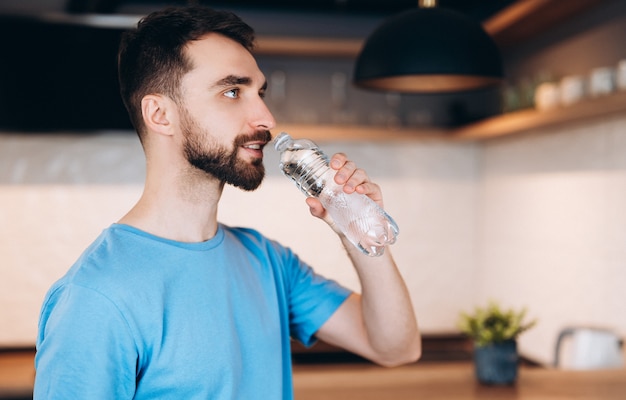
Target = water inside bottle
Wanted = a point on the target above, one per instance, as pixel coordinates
(306, 168)
(366, 225)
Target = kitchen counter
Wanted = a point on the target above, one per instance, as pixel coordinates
(17, 374)
(442, 380)
(452, 381)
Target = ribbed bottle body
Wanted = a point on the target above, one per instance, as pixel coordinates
(366, 225)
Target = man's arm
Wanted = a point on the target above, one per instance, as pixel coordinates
(379, 324)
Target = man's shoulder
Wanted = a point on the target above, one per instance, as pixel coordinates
(112, 243)
(252, 238)
(109, 255)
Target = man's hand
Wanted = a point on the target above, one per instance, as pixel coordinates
(353, 180)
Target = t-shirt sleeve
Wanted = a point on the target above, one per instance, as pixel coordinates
(312, 300)
(84, 349)
(309, 299)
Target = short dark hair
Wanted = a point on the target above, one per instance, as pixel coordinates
(151, 58)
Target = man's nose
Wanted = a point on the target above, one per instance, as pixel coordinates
(263, 117)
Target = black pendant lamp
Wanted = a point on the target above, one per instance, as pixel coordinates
(428, 50)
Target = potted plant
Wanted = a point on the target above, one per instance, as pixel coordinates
(494, 332)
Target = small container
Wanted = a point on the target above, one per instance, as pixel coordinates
(547, 96)
(601, 81)
(572, 89)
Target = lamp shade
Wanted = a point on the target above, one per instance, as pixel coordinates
(428, 50)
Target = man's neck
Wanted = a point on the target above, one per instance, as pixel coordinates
(181, 208)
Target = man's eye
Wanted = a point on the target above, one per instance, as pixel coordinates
(232, 93)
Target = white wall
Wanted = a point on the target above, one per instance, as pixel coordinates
(57, 192)
(535, 220)
(552, 228)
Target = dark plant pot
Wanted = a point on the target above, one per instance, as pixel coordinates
(496, 363)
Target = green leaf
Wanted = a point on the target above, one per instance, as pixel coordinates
(493, 324)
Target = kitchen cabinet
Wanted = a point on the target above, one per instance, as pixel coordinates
(516, 24)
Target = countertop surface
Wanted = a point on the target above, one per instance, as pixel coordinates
(452, 381)
(422, 380)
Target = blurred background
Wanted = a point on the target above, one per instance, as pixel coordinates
(514, 193)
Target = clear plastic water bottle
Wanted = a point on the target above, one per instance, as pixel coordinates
(364, 223)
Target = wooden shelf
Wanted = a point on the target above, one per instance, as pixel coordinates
(526, 19)
(506, 124)
(360, 133)
(308, 47)
(526, 120)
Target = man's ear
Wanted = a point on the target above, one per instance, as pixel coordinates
(157, 112)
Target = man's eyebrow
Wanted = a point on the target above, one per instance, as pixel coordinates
(231, 80)
(234, 80)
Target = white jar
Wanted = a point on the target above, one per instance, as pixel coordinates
(572, 89)
(547, 96)
(601, 81)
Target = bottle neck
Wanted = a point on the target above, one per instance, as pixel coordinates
(282, 141)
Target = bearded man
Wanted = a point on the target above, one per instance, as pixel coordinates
(169, 303)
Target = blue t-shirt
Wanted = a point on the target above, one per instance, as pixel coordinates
(142, 317)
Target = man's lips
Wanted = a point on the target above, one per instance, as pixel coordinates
(255, 147)
(255, 142)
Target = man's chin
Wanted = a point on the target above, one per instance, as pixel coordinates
(247, 188)
(249, 183)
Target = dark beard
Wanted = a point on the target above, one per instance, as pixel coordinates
(222, 164)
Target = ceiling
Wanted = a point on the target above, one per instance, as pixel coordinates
(60, 69)
(478, 9)
(509, 22)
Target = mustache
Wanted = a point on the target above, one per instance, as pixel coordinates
(260, 136)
